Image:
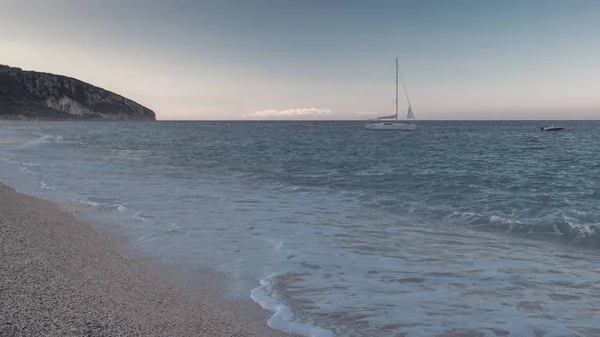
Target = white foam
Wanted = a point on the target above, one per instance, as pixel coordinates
(87, 201)
(582, 230)
(173, 228)
(503, 220)
(104, 205)
(283, 318)
(43, 140)
(138, 216)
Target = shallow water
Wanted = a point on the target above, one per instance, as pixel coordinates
(487, 226)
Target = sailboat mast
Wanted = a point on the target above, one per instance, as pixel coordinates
(402, 80)
(396, 88)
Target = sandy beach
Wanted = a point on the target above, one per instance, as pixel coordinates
(60, 277)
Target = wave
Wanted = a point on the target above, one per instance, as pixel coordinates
(46, 139)
(283, 317)
(138, 216)
(559, 225)
(102, 204)
(567, 225)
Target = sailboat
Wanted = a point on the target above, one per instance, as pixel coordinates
(392, 122)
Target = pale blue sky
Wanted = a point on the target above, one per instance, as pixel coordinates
(252, 59)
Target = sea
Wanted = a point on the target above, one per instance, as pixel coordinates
(487, 227)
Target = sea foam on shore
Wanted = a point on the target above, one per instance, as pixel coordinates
(60, 277)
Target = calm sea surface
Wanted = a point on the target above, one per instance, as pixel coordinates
(486, 226)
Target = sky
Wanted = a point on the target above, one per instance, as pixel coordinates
(319, 59)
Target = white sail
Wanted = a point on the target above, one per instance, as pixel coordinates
(410, 113)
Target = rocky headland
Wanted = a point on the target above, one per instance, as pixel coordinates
(34, 95)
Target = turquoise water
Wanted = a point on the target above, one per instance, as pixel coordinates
(488, 226)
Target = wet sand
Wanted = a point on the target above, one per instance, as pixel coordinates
(60, 277)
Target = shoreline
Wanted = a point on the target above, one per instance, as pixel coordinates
(61, 276)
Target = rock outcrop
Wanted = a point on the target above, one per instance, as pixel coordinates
(35, 95)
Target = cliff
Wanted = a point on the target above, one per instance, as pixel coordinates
(35, 95)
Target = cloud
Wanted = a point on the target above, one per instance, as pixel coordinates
(289, 112)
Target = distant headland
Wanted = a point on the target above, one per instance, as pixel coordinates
(33, 95)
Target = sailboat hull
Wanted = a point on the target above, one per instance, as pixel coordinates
(391, 126)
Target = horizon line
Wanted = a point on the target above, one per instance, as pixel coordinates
(359, 120)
